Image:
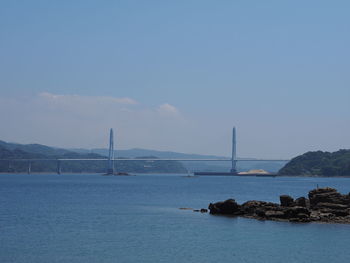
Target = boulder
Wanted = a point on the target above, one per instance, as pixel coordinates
(256, 207)
(202, 210)
(260, 212)
(274, 214)
(302, 218)
(340, 213)
(327, 195)
(228, 207)
(331, 206)
(286, 200)
(301, 201)
(292, 212)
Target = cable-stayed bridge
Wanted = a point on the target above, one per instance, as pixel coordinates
(111, 160)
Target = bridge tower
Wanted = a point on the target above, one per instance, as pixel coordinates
(110, 169)
(234, 157)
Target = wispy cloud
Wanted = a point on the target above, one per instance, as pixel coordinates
(82, 121)
(86, 99)
(167, 109)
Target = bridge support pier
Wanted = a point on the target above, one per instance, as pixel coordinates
(58, 167)
(29, 167)
(10, 169)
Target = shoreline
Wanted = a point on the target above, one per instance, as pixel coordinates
(180, 174)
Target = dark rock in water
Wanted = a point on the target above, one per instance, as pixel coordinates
(274, 214)
(202, 210)
(261, 212)
(295, 211)
(286, 200)
(122, 173)
(327, 195)
(301, 201)
(228, 207)
(258, 208)
(331, 206)
(323, 205)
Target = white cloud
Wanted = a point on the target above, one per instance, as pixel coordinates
(166, 108)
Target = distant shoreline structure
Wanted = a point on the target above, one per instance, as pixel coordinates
(258, 173)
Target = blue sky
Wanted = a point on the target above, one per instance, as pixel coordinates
(177, 75)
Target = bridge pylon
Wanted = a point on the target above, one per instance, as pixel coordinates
(234, 153)
(110, 169)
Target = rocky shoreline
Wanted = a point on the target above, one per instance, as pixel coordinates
(322, 205)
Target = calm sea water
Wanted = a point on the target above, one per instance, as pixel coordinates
(90, 218)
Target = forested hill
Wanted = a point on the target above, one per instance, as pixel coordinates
(319, 163)
(34, 149)
(37, 151)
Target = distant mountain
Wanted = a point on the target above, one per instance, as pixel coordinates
(319, 163)
(34, 148)
(37, 151)
(132, 153)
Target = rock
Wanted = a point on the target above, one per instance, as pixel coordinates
(327, 195)
(302, 215)
(286, 200)
(274, 214)
(228, 207)
(203, 210)
(252, 207)
(331, 206)
(294, 211)
(260, 212)
(340, 212)
(300, 219)
(301, 201)
(324, 205)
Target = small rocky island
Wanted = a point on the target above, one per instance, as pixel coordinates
(323, 205)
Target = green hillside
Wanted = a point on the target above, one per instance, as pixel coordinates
(319, 163)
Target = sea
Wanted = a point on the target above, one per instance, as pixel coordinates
(93, 218)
